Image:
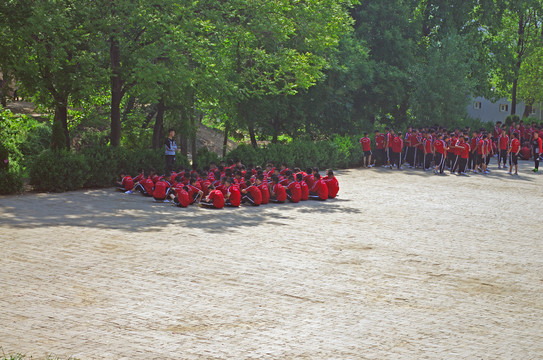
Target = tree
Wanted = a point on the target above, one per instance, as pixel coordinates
(51, 54)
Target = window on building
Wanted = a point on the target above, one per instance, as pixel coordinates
(477, 105)
(504, 107)
(534, 111)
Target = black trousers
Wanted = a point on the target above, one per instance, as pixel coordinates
(170, 160)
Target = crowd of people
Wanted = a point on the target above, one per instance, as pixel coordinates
(460, 151)
(232, 185)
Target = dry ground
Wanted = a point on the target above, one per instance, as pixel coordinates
(404, 265)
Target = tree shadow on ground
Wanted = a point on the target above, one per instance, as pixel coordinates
(108, 209)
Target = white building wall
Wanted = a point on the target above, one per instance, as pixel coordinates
(488, 111)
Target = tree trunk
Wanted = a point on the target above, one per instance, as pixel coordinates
(129, 107)
(527, 110)
(252, 134)
(158, 129)
(61, 136)
(520, 53)
(116, 92)
(514, 97)
(225, 141)
(193, 133)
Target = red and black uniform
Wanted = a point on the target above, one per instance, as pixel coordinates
(305, 190)
(294, 192)
(253, 196)
(503, 145)
(182, 198)
(216, 199)
(162, 189)
(515, 149)
(234, 200)
(537, 150)
(439, 147)
(280, 194)
(333, 186)
(380, 143)
(319, 191)
(366, 148)
(127, 183)
(428, 153)
(265, 192)
(396, 156)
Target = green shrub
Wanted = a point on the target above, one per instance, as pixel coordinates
(204, 157)
(11, 180)
(247, 154)
(58, 170)
(38, 138)
(103, 164)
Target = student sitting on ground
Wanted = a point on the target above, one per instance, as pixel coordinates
(303, 186)
(233, 195)
(264, 189)
(181, 197)
(162, 189)
(251, 194)
(332, 184)
(278, 193)
(294, 190)
(126, 184)
(319, 191)
(215, 199)
(195, 194)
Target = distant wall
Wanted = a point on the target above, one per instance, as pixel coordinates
(488, 111)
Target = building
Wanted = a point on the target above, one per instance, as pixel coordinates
(488, 111)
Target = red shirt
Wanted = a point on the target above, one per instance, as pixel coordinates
(333, 186)
(221, 188)
(235, 195)
(255, 193)
(366, 143)
(390, 138)
(321, 189)
(413, 141)
(305, 190)
(481, 147)
(397, 144)
(138, 178)
(161, 188)
(440, 146)
(127, 182)
(182, 196)
(428, 146)
(515, 145)
(148, 185)
(192, 190)
(309, 180)
(265, 192)
(464, 152)
(217, 198)
(280, 192)
(503, 142)
(295, 191)
(380, 141)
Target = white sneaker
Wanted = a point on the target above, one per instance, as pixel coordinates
(166, 201)
(129, 192)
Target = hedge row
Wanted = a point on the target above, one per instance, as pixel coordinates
(58, 171)
(339, 152)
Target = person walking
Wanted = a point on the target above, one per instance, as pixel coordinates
(171, 148)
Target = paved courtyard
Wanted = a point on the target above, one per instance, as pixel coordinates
(403, 265)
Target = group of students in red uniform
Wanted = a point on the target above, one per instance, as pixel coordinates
(217, 187)
(436, 148)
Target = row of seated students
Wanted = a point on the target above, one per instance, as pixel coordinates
(233, 185)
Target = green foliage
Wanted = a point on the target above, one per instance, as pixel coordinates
(339, 152)
(11, 180)
(204, 157)
(22, 136)
(58, 171)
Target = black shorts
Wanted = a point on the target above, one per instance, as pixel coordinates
(367, 153)
(478, 159)
(514, 159)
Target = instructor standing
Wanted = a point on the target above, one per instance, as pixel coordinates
(171, 148)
